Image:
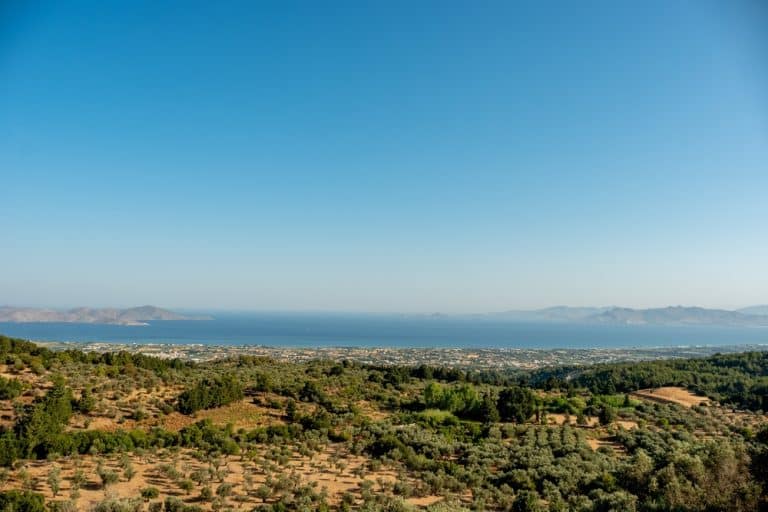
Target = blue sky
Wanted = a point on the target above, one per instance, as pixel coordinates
(384, 156)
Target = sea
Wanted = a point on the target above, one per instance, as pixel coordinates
(305, 330)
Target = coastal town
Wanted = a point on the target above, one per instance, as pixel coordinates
(500, 359)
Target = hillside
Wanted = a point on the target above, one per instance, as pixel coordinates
(127, 432)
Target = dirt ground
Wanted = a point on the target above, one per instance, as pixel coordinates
(332, 470)
(559, 419)
(605, 442)
(671, 394)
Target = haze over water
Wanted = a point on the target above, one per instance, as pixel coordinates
(361, 330)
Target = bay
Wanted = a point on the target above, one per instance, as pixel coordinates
(390, 331)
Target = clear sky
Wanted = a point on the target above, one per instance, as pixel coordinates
(384, 156)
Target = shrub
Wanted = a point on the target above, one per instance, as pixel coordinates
(10, 388)
(118, 505)
(150, 493)
(22, 501)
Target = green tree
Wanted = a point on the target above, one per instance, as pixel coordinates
(54, 480)
(87, 402)
(210, 393)
(607, 415)
(489, 413)
(291, 411)
(527, 501)
(516, 404)
(107, 477)
(39, 428)
(21, 501)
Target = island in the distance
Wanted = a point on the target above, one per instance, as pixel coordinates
(753, 316)
(130, 316)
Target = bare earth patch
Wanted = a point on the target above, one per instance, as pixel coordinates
(559, 419)
(605, 442)
(425, 501)
(671, 394)
(333, 469)
(627, 424)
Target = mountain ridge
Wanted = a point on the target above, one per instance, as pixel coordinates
(760, 310)
(612, 315)
(679, 315)
(670, 315)
(138, 315)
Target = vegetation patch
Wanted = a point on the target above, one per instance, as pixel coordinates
(106, 432)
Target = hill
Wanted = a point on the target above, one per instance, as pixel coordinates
(672, 315)
(551, 314)
(123, 431)
(678, 315)
(755, 310)
(130, 316)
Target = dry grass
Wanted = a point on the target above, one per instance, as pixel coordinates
(671, 394)
(242, 414)
(333, 470)
(371, 411)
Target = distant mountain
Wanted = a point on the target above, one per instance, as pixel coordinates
(130, 316)
(551, 314)
(754, 310)
(678, 315)
(673, 315)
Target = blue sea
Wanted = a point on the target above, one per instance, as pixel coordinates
(391, 331)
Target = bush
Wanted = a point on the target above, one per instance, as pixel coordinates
(86, 403)
(18, 501)
(10, 388)
(150, 493)
(436, 418)
(118, 505)
(173, 504)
